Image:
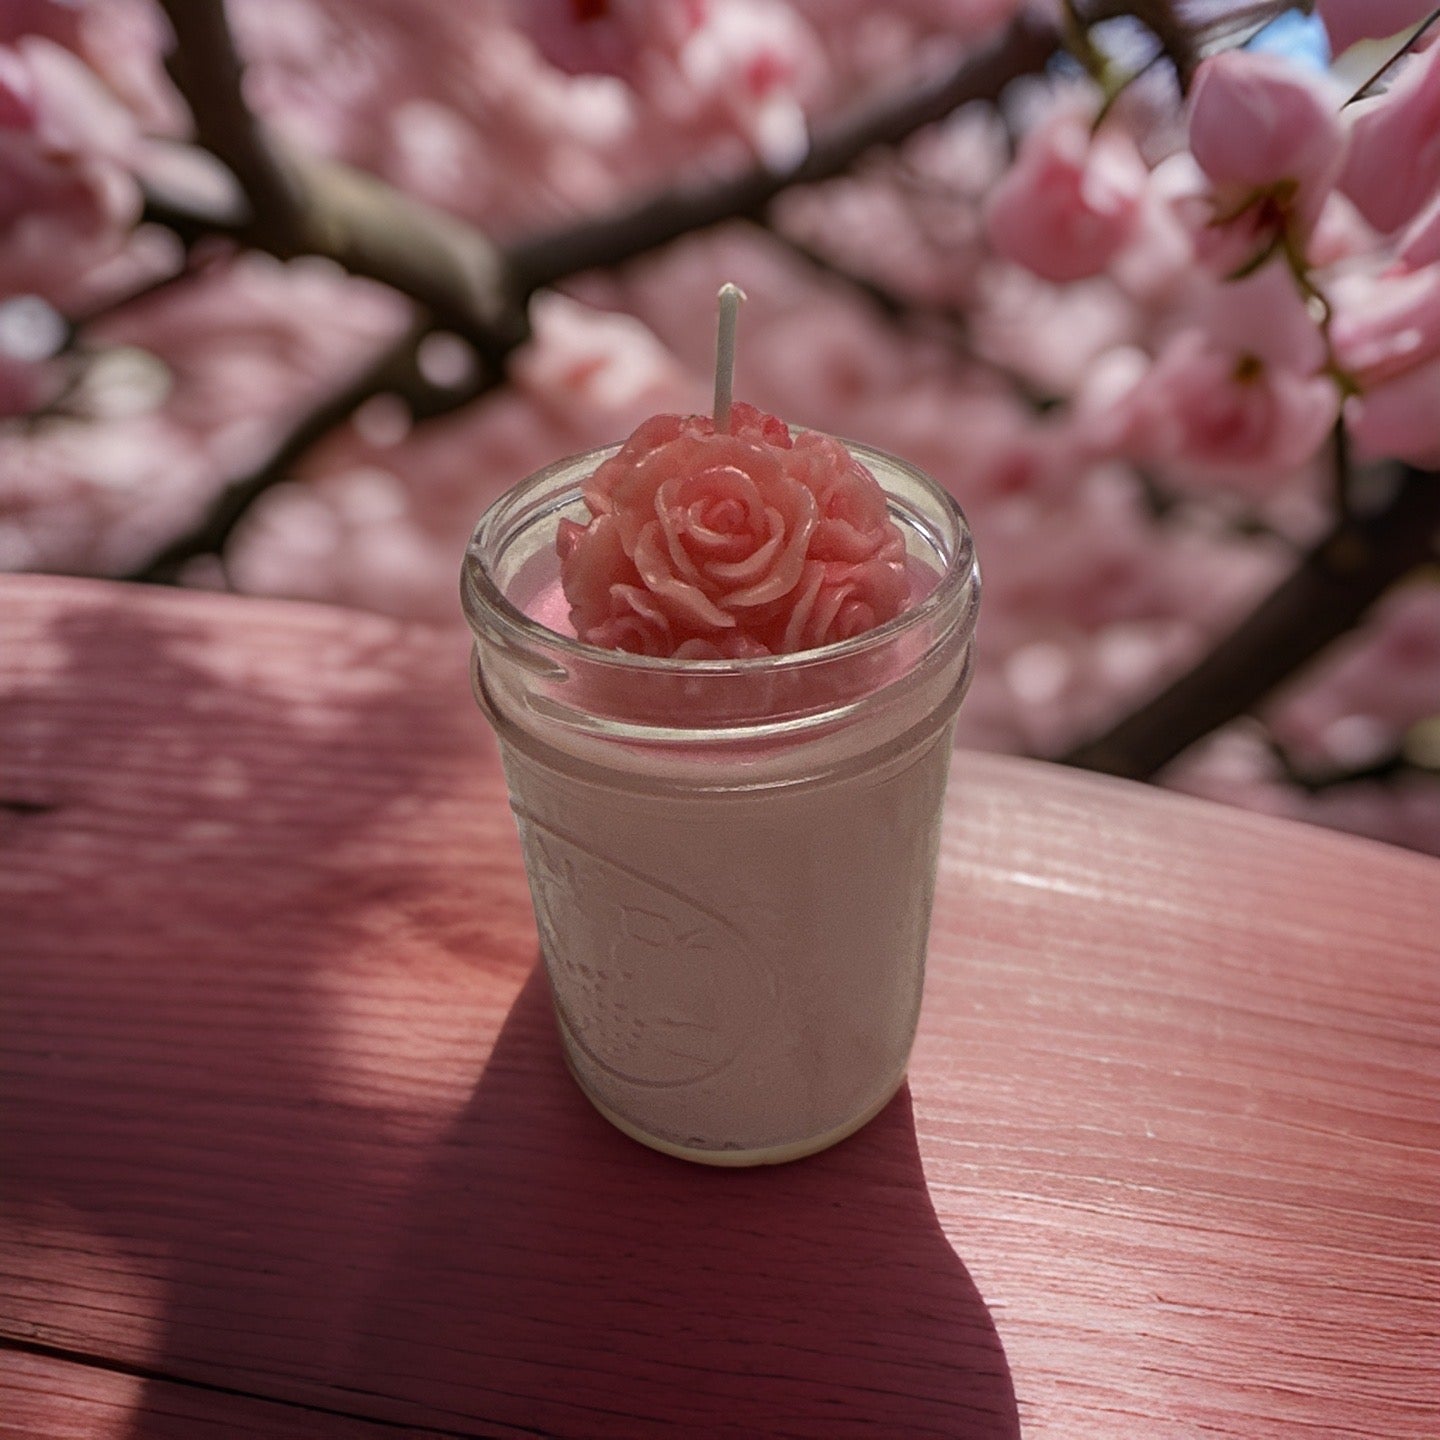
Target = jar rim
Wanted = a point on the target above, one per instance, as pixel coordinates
(481, 593)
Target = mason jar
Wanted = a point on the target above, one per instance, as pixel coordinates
(732, 862)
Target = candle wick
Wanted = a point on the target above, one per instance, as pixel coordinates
(730, 297)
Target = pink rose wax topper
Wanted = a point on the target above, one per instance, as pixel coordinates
(726, 538)
(724, 663)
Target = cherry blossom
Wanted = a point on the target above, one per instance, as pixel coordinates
(1393, 169)
(1141, 442)
(1269, 138)
(67, 197)
(1071, 201)
(1233, 399)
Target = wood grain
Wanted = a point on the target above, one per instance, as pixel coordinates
(281, 1109)
(45, 1395)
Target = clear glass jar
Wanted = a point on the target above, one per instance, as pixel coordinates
(732, 862)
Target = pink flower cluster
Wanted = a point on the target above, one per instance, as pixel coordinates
(1126, 348)
(1316, 227)
(730, 545)
(66, 195)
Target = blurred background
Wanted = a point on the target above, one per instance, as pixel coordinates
(290, 290)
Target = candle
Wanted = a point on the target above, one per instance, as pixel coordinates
(727, 757)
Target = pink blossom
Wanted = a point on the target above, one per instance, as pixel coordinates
(1370, 687)
(1270, 140)
(1347, 21)
(251, 341)
(1400, 419)
(746, 64)
(1386, 325)
(1235, 397)
(1420, 243)
(1263, 315)
(120, 40)
(1341, 234)
(597, 372)
(1386, 334)
(1223, 242)
(1232, 421)
(1071, 200)
(1211, 415)
(1048, 334)
(1393, 169)
(755, 62)
(67, 198)
(95, 498)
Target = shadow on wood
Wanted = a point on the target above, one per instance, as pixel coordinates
(266, 919)
(558, 1276)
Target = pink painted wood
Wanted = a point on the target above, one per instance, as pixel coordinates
(282, 1113)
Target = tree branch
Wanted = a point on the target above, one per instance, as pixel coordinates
(208, 73)
(481, 289)
(1323, 597)
(1386, 769)
(466, 282)
(395, 371)
(297, 206)
(611, 240)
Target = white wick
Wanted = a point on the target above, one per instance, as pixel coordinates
(730, 297)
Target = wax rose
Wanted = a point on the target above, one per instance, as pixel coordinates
(1347, 21)
(707, 545)
(838, 600)
(1071, 200)
(1269, 138)
(1393, 168)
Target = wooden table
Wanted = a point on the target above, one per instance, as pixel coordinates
(287, 1149)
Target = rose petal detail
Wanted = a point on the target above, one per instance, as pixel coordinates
(725, 545)
(682, 600)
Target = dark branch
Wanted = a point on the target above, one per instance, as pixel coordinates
(396, 371)
(1387, 769)
(897, 308)
(296, 206)
(1159, 18)
(447, 265)
(1410, 43)
(467, 283)
(612, 240)
(1326, 594)
(208, 73)
(479, 289)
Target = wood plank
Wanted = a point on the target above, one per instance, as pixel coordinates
(47, 1397)
(281, 1105)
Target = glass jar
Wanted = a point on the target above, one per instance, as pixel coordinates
(732, 862)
